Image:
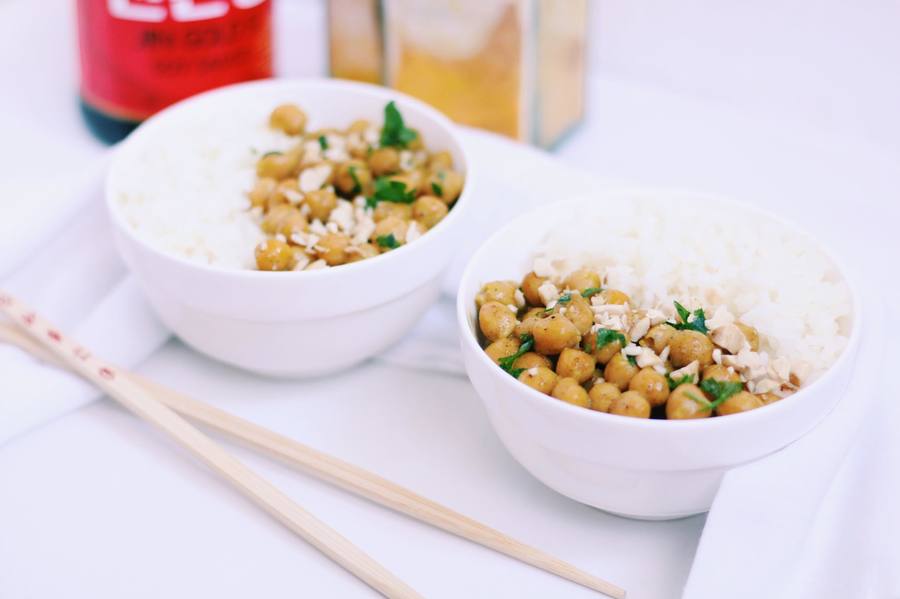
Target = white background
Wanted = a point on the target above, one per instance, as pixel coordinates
(792, 105)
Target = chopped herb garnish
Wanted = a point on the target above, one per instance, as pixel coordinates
(437, 189)
(563, 299)
(607, 336)
(389, 190)
(591, 291)
(631, 360)
(395, 132)
(273, 153)
(702, 401)
(323, 143)
(674, 383)
(720, 390)
(356, 185)
(507, 362)
(387, 241)
(686, 323)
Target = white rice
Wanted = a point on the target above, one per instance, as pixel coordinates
(765, 274)
(185, 194)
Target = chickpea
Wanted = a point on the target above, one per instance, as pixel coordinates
(687, 401)
(767, 398)
(277, 165)
(529, 319)
(630, 403)
(652, 385)
(658, 337)
(553, 334)
(502, 348)
(273, 254)
(496, 321)
(687, 346)
(582, 280)
(602, 396)
(604, 354)
(263, 189)
(352, 177)
(287, 192)
(440, 161)
(361, 252)
(359, 126)
(332, 248)
(531, 360)
(289, 118)
(429, 210)
(384, 161)
(744, 401)
(569, 391)
(320, 202)
(385, 209)
(614, 296)
(417, 143)
(717, 372)
(412, 181)
(619, 371)
(750, 333)
(530, 285)
(448, 182)
(283, 219)
(393, 225)
(540, 378)
(497, 291)
(575, 364)
(578, 310)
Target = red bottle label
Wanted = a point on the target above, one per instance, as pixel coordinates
(139, 56)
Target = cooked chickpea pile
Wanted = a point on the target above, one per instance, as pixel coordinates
(340, 196)
(587, 345)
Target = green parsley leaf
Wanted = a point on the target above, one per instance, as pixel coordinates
(387, 241)
(395, 132)
(323, 143)
(674, 383)
(591, 291)
(632, 360)
(702, 401)
(437, 189)
(563, 299)
(686, 323)
(357, 187)
(388, 190)
(607, 336)
(720, 390)
(507, 362)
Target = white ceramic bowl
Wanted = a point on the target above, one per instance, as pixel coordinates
(296, 323)
(649, 469)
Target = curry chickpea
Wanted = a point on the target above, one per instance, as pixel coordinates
(320, 203)
(578, 310)
(688, 346)
(570, 391)
(530, 285)
(352, 177)
(263, 189)
(446, 184)
(575, 364)
(602, 395)
(289, 118)
(743, 401)
(274, 255)
(539, 378)
(532, 359)
(687, 401)
(496, 321)
(497, 291)
(553, 334)
(614, 296)
(440, 161)
(658, 337)
(630, 403)
(332, 248)
(283, 219)
(429, 210)
(723, 374)
(582, 280)
(750, 334)
(605, 352)
(277, 165)
(651, 384)
(502, 348)
(391, 225)
(361, 252)
(529, 319)
(619, 371)
(384, 161)
(385, 209)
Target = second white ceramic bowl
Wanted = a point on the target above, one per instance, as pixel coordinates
(649, 469)
(296, 323)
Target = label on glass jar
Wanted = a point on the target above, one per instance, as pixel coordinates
(139, 56)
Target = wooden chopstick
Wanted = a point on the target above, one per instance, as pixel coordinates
(136, 398)
(346, 476)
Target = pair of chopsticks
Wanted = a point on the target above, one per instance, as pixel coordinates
(161, 407)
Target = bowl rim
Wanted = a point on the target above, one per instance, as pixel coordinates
(454, 215)
(542, 401)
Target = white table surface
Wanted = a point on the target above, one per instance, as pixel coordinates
(95, 505)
